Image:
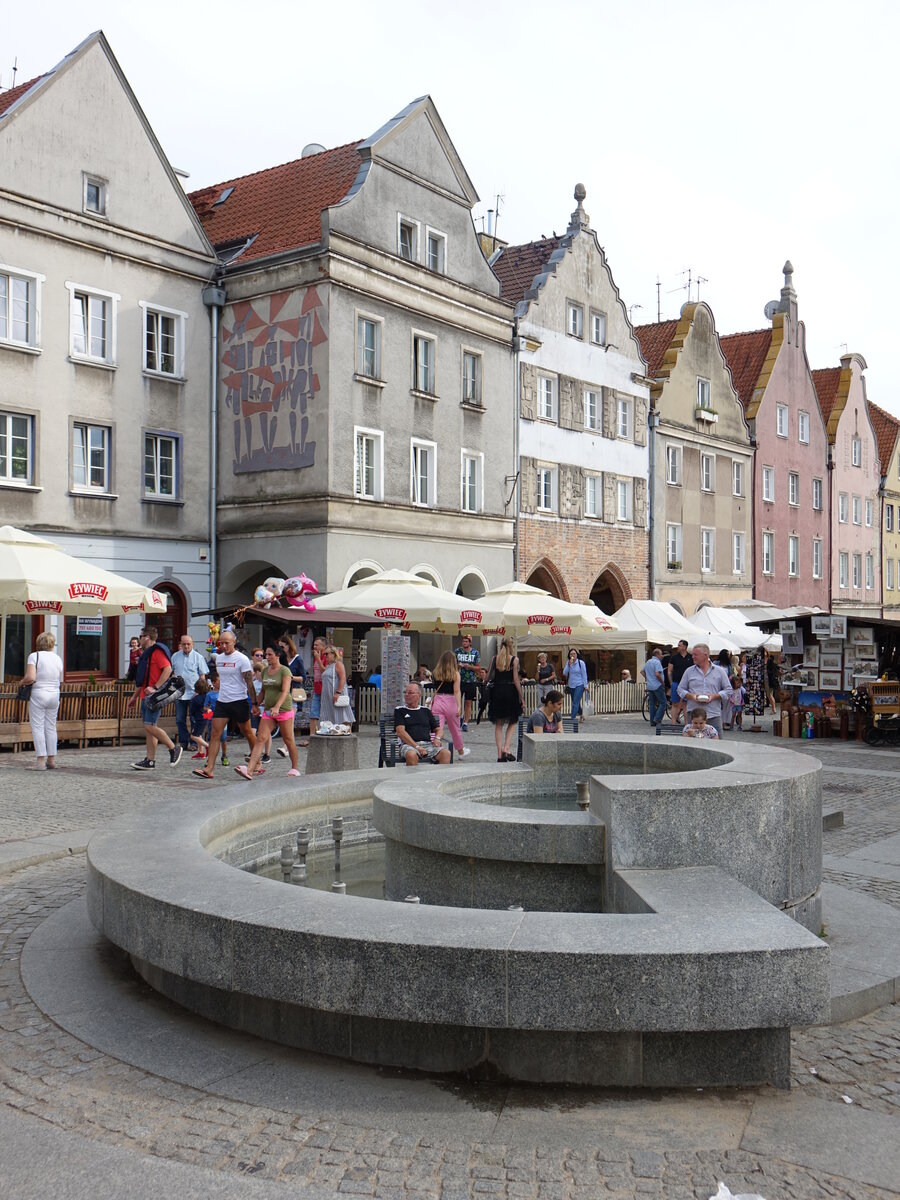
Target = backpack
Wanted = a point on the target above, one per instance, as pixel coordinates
(143, 663)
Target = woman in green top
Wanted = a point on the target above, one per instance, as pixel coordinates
(276, 710)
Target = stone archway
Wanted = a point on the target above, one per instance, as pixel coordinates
(610, 589)
(545, 574)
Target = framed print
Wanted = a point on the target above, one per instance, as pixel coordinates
(838, 627)
(792, 643)
(832, 646)
(865, 653)
(811, 656)
(787, 627)
(861, 635)
(821, 626)
(830, 662)
(829, 681)
(849, 682)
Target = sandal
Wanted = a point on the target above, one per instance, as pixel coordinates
(293, 772)
(243, 772)
(303, 742)
(201, 774)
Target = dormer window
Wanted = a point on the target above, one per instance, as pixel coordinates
(95, 195)
(408, 239)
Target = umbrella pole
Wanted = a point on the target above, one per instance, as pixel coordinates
(3, 646)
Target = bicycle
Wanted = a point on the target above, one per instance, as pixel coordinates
(645, 707)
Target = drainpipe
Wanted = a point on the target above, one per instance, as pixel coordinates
(881, 490)
(752, 494)
(516, 465)
(830, 468)
(214, 299)
(652, 422)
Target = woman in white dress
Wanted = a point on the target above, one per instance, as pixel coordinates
(334, 684)
(44, 669)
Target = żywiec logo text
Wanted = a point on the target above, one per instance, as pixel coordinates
(43, 606)
(540, 619)
(470, 616)
(391, 614)
(563, 629)
(89, 591)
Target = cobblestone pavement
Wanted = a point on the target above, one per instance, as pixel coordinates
(57, 1079)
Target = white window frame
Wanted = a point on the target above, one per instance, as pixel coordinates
(803, 427)
(363, 321)
(438, 239)
(547, 488)
(575, 320)
(738, 552)
(856, 451)
(598, 327)
(77, 293)
(817, 558)
(768, 552)
(707, 550)
(416, 229)
(857, 510)
(707, 472)
(419, 361)
(870, 513)
(817, 493)
(843, 508)
(179, 320)
(889, 518)
(768, 484)
(674, 546)
(471, 383)
(794, 489)
(704, 393)
(85, 430)
(857, 570)
(624, 409)
(362, 435)
(8, 419)
(102, 186)
(158, 436)
(870, 571)
(471, 481)
(593, 408)
(32, 281)
(673, 464)
(737, 477)
(844, 569)
(593, 495)
(782, 420)
(793, 555)
(547, 392)
(624, 500)
(889, 574)
(418, 447)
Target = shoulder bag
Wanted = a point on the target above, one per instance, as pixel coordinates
(24, 691)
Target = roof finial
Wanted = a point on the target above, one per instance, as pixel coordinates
(788, 270)
(579, 218)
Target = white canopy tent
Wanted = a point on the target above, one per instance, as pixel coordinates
(663, 624)
(730, 623)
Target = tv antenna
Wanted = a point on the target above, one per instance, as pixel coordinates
(14, 70)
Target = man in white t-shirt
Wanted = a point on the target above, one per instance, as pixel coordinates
(236, 695)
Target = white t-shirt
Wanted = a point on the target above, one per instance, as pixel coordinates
(231, 669)
(49, 669)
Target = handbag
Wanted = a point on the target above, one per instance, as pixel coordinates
(342, 700)
(24, 689)
(298, 694)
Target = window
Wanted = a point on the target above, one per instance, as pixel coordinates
(856, 451)
(898, 465)
(817, 495)
(574, 320)
(164, 341)
(781, 420)
(547, 397)
(423, 473)
(889, 574)
(793, 488)
(737, 553)
(703, 394)
(96, 193)
(803, 427)
(16, 448)
(857, 570)
(92, 326)
(423, 364)
(623, 500)
(161, 466)
(870, 572)
(842, 569)
(19, 307)
(707, 472)
(768, 481)
(623, 417)
(368, 348)
(436, 251)
(843, 508)
(591, 409)
(737, 477)
(548, 484)
(591, 493)
(870, 513)
(889, 517)
(793, 555)
(817, 558)
(673, 547)
(768, 553)
(673, 464)
(472, 499)
(598, 328)
(471, 377)
(368, 464)
(857, 510)
(90, 457)
(707, 549)
(408, 239)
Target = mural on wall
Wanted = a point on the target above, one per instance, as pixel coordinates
(270, 381)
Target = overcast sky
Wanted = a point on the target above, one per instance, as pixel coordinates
(720, 137)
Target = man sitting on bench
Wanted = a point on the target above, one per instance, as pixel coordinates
(415, 726)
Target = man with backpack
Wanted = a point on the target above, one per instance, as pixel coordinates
(153, 669)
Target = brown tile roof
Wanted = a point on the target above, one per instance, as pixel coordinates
(886, 429)
(517, 267)
(826, 382)
(655, 340)
(745, 354)
(281, 205)
(9, 97)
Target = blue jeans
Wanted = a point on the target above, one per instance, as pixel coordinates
(181, 719)
(657, 697)
(577, 693)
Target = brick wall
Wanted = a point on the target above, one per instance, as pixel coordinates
(578, 551)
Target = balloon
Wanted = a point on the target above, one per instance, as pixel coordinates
(274, 583)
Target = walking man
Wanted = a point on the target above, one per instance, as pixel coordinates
(656, 686)
(153, 669)
(678, 664)
(705, 685)
(190, 665)
(469, 673)
(236, 694)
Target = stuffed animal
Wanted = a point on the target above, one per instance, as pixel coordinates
(215, 630)
(263, 597)
(297, 590)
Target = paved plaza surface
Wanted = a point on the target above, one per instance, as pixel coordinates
(125, 1094)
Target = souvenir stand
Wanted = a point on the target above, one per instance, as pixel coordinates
(756, 688)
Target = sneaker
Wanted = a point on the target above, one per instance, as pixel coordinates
(465, 752)
(175, 755)
(266, 759)
(283, 751)
(465, 727)
(199, 754)
(225, 762)
(146, 764)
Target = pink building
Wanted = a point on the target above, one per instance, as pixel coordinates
(855, 480)
(791, 498)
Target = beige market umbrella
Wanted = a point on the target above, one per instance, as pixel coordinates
(517, 609)
(36, 577)
(398, 596)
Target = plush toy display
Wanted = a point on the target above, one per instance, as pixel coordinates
(293, 593)
(212, 642)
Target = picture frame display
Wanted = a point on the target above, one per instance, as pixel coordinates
(830, 681)
(849, 682)
(866, 653)
(832, 646)
(787, 627)
(792, 643)
(811, 656)
(838, 627)
(830, 662)
(861, 635)
(821, 626)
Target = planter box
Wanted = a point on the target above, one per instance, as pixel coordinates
(705, 414)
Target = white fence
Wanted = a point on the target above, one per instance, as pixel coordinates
(608, 698)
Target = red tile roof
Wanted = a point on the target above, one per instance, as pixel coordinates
(281, 205)
(517, 266)
(9, 97)
(826, 382)
(745, 354)
(655, 340)
(886, 429)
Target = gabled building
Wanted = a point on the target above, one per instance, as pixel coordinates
(701, 499)
(887, 434)
(791, 497)
(855, 482)
(365, 414)
(104, 350)
(583, 401)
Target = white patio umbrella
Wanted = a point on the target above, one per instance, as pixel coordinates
(400, 596)
(519, 609)
(729, 622)
(36, 576)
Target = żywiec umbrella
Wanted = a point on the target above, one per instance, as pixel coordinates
(36, 577)
(401, 597)
(518, 608)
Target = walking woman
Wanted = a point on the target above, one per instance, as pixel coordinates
(44, 670)
(506, 698)
(335, 697)
(275, 712)
(447, 704)
(575, 672)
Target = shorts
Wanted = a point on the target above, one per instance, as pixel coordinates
(149, 716)
(315, 705)
(277, 716)
(232, 710)
(433, 751)
(469, 689)
(675, 698)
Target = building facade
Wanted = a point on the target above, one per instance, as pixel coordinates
(887, 433)
(583, 401)
(104, 350)
(702, 460)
